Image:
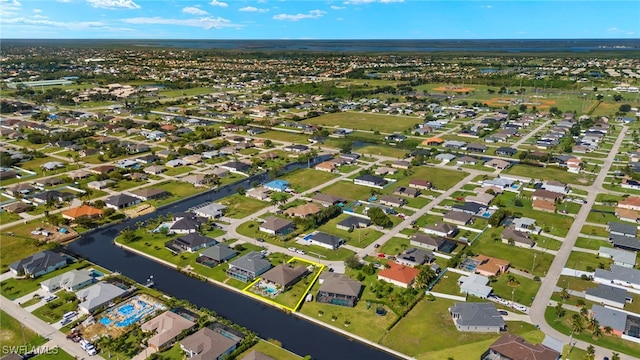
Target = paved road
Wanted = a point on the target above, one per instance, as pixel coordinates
(530, 134)
(542, 299)
(55, 337)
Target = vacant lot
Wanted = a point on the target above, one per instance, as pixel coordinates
(305, 179)
(349, 190)
(366, 121)
(239, 206)
(13, 331)
(535, 172)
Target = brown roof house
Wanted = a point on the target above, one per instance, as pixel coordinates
(84, 210)
(277, 226)
(285, 275)
(208, 344)
(338, 289)
(517, 238)
(165, 328)
(420, 184)
(514, 347)
(544, 205)
(304, 210)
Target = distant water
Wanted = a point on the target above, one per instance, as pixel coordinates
(507, 46)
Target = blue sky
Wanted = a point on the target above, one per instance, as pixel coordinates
(311, 19)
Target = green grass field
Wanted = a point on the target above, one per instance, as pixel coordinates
(359, 237)
(305, 179)
(13, 333)
(535, 172)
(366, 121)
(272, 350)
(348, 190)
(581, 261)
(239, 206)
(592, 244)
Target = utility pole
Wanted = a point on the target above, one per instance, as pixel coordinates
(534, 262)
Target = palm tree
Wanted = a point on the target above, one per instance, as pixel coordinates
(564, 294)
(615, 356)
(608, 330)
(576, 325)
(584, 312)
(596, 331)
(593, 323)
(559, 310)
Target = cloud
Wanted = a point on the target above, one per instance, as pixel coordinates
(360, 2)
(72, 25)
(313, 14)
(192, 10)
(114, 4)
(252, 9)
(218, 3)
(9, 7)
(487, 6)
(333, 7)
(205, 22)
(37, 11)
(616, 30)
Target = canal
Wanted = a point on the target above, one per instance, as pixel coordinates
(295, 334)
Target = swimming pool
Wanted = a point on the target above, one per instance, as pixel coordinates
(486, 214)
(308, 237)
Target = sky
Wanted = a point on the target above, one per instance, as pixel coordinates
(312, 19)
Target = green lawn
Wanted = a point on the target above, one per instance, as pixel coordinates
(383, 151)
(178, 170)
(54, 354)
(602, 214)
(418, 202)
(608, 341)
(14, 288)
(523, 291)
(535, 172)
(285, 136)
(177, 189)
(520, 258)
(413, 334)
(272, 350)
(349, 190)
(595, 231)
(53, 311)
(8, 217)
(592, 244)
(15, 334)
(442, 179)
(366, 121)
(305, 179)
(574, 283)
(239, 206)
(122, 185)
(581, 261)
(394, 246)
(448, 284)
(359, 237)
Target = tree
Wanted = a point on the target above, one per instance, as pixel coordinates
(424, 278)
(128, 235)
(559, 310)
(564, 294)
(353, 262)
(345, 147)
(615, 356)
(596, 329)
(617, 97)
(591, 352)
(624, 108)
(378, 217)
(577, 326)
(240, 190)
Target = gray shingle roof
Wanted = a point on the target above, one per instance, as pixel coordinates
(219, 252)
(616, 319)
(37, 262)
(477, 314)
(253, 262)
(341, 284)
(608, 292)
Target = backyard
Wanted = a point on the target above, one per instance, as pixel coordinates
(359, 237)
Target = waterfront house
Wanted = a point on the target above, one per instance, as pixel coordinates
(38, 264)
(285, 275)
(70, 281)
(97, 296)
(514, 347)
(338, 289)
(248, 267)
(476, 317)
(216, 255)
(208, 344)
(191, 242)
(165, 328)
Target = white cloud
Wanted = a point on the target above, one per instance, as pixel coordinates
(114, 4)
(218, 3)
(192, 10)
(616, 30)
(37, 11)
(391, 1)
(487, 6)
(313, 14)
(253, 9)
(205, 22)
(333, 7)
(9, 7)
(360, 2)
(73, 25)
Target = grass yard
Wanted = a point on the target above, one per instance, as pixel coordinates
(178, 170)
(55, 354)
(523, 290)
(448, 284)
(614, 343)
(12, 332)
(535, 172)
(177, 189)
(126, 184)
(366, 121)
(595, 231)
(285, 136)
(53, 311)
(8, 217)
(581, 261)
(592, 244)
(269, 349)
(442, 179)
(383, 151)
(305, 179)
(520, 258)
(574, 283)
(359, 237)
(394, 246)
(349, 190)
(14, 288)
(239, 206)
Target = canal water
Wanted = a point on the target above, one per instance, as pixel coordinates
(295, 334)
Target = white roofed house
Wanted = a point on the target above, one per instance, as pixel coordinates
(98, 295)
(70, 281)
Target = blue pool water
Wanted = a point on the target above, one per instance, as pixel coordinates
(308, 237)
(104, 321)
(126, 309)
(270, 290)
(96, 274)
(486, 215)
(373, 198)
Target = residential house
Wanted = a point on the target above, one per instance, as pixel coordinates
(49, 181)
(466, 160)
(620, 257)
(385, 170)
(481, 198)
(70, 281)
(38, 264)
(121, 201)
(414, 257)
(216, 255)
(304, 210)
(210, 211)
(517, 238)
(328, 200)
(101, 184)
(470, 208)
(103, 169)
(627, 215)
(277, 185)
(458, 218)
(607, 295)
(434, 141)
(407, 191)
(547, 195)
(391, 200)
(476, 317)
(236, 166)
(191, 242)
(525, 224)
(97, 296)
(398, 275)
(498, 164)
(420, 184)
(185, 224)
(338, 289)
(431, 242)
(81, 211)
(198, 180)
(441, 229)
(353, 222)
(248, 267)
(328, 166)
(544, 205)
(277, 226)
(52, 195)
(285, 275)
(475, 285)
(615, 319)
(514, 347)
(208, 344)
(259, 193)
(489, 266)
(150, 194)
(453, 144)
(506, 151)
(155, 169)
(631, 203)
(556, 186)
(370, 180)
(625, 242)
(618, 275)
(445, 157)
(166, 327)
(476, 148)
(622, 229)
(325, 240)
(401, 164)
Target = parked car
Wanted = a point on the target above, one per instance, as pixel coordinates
(301, 252)
(260, 239)
(292, 249)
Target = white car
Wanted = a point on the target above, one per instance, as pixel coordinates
(301, 252)
(293, 249)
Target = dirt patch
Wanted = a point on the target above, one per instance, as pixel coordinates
(456, 89)
(537, 102)
(49, 233)
(139, 210)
